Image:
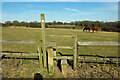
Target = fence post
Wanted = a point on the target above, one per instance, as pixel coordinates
(50, 59)
(39, 52)
(104, 61)
(75, 52)
(43, 39)
(64, 67)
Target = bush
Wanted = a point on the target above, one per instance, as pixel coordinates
(110, 29)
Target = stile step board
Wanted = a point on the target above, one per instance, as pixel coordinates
(64, 67)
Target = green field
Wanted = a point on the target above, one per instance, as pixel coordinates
(36, 34)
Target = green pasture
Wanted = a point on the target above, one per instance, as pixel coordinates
(36, 34)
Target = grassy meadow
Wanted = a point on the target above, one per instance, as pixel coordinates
(23, 68)
(36, 34)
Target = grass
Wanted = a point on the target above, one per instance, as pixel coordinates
(36, 34)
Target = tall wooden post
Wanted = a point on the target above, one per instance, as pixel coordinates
(43, 39)
(75, 52)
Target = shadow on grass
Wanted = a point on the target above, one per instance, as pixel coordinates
(70, 62)
(5, 57)
(38, 76)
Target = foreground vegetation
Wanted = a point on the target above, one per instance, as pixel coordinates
(28, 68)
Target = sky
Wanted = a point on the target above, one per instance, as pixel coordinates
(59, 11)
(60, 0)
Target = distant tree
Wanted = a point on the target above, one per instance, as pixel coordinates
(60, 23)
(72, 23)
(8, 23)
(65, 23)
(23, 23)
(54, 22)
(15, 23)
(49, 23)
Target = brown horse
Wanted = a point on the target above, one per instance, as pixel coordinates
(86, 28)
(96, 29)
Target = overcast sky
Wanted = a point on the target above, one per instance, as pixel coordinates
(59, 11)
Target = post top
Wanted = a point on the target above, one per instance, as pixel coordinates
(42, 14)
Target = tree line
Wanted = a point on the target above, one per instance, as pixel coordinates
(104, 26)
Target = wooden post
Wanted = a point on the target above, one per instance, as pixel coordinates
(118, 69)
(104, 61)
(64, 67)
(84, 65)
(43, 39)
(54, 50)
(50, 59)
(15, 61)
(21, 62)
(75, 52)
(39, 52)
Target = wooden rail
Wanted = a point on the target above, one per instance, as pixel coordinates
(63, 57)
(61, 36)
(21, 56)
(65, 47)
(99, 43)
(52, 44)
(19, 41)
